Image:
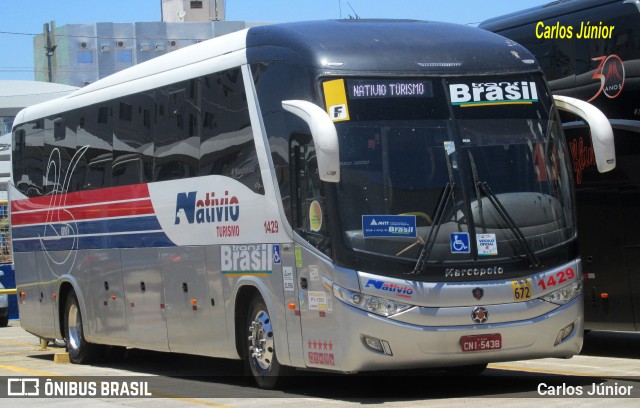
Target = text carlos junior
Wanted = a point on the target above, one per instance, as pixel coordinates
(595, 389)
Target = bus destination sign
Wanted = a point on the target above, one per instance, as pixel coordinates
(381, 88)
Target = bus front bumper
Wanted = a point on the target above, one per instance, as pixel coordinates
(406, 346)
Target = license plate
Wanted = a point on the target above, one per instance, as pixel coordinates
(481, 342)
(521, 290)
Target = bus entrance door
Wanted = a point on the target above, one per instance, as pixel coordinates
(319, 326)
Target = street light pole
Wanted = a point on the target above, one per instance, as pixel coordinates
(49, 50)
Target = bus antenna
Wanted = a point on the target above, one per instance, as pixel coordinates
(357, 17)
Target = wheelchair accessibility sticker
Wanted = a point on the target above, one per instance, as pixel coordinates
(276, 254)
(460, 243)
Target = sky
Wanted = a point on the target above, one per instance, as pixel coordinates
(21, 19)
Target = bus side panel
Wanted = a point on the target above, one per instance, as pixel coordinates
(27, 281)
(46, 278)
(218, 321)
(144, 292)
(255, 265)
(99, 276)
(633, 260)
(291, 296)
(602, 248)
(629, 198)
(189, 320)
(321, 328)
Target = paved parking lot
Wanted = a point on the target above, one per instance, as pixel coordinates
(609, 362)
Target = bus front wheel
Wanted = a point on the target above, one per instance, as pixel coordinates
(261, 352)
(80, 351)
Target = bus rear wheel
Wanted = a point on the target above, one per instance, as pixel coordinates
(261, 353)
(79, 349)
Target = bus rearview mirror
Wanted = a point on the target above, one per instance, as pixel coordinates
(324, 135)
(601, 131)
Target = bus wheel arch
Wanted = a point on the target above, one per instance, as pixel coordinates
(243, 300)
(79, 349)
(63, 293)
(255, 339)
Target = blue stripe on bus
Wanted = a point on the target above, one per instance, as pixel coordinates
(105, 226)
(137, 240)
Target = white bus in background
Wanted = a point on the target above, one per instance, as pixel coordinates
(340, 195)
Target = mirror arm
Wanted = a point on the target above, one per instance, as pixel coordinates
(601, 131)
(324, 134)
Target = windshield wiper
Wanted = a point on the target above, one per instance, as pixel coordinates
(483, 186)
(427, 245)
(448, 192)
(533, 259)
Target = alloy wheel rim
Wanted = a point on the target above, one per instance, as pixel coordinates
(75, 327)
(261, 340)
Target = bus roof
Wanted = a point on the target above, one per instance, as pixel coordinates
(405, 47)
(549, 10)
(387, 46)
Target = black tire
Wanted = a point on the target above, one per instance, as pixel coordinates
(79, 349)
(4, 318)
(260, 349)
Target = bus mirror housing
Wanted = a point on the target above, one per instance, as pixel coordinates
(324, 134)
(601, 131)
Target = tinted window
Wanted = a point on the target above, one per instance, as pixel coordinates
(59, 150)
(176, 137)
(279, 124)
(133, 139)
(27, 155)
(227, 147)
(585, 172)
(95, 141)
(196, 127)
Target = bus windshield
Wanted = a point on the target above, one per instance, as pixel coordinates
(453, 176)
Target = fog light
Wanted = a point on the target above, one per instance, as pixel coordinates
(382, 346)
(373, 343)
(563, 334)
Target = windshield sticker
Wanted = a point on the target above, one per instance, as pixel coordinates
(335, 98)
(493, 93)
(487, 244)
(315, 216)
(449, 147)
(389, 226)
(460, 243)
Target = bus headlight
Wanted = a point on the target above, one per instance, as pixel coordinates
(564, 295)
(369, 303)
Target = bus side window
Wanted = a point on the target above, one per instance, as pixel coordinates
(308, 206)
(133, 139)
(59, 149)
(28, 150)
(95, 134)
(176, 142)
(227, 147)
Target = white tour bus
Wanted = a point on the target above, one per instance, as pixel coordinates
(339, 195)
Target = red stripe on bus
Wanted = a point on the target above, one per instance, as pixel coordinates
(122, 209)
(81, 197)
